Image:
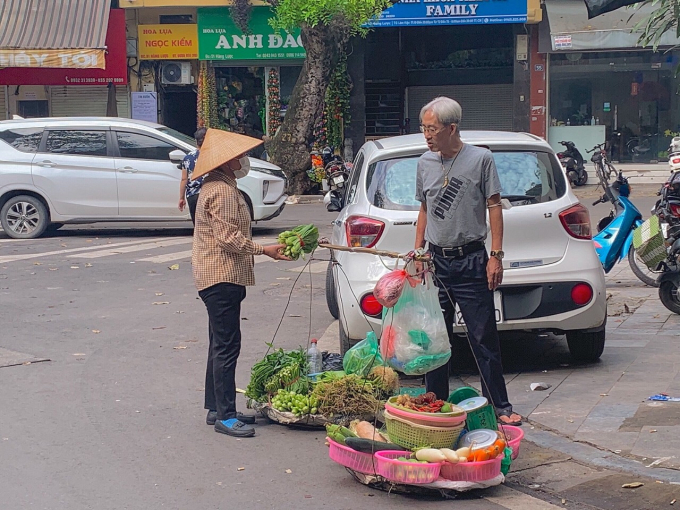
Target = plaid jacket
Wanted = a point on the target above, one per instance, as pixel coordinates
(223, 248)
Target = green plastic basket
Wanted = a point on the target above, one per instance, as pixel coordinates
(649, 243)
(482, 418)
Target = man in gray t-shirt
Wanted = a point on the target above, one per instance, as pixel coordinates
(458, 210)
(456, 184)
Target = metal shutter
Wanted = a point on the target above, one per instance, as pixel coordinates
(3, 106)
(86, 101)
(485, 107)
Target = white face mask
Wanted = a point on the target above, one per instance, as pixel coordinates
(245, 168)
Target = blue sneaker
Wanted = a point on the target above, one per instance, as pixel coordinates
(234, 427)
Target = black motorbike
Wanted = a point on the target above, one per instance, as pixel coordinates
(667, 209)
(572, 161)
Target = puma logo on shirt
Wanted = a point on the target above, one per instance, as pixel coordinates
(449, 198)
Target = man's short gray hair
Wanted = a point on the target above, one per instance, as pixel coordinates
(445, 109)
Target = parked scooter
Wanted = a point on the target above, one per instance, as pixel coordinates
(337, 171)
(572, 161)
(667, 209)
(614, 240)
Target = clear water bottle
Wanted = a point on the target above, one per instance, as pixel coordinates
(314, 359)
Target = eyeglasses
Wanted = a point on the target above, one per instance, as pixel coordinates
(431, 130)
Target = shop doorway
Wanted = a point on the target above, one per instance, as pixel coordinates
(179, 109)
(241, 99)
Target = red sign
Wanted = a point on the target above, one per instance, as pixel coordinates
(115, 71)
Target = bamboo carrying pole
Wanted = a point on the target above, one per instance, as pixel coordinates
(372, 251)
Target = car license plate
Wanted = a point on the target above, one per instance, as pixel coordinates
(498, 303)
(338, 180)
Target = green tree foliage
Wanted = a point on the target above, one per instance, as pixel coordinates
(291, 14)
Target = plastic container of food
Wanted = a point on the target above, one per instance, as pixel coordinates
(478, 439)
(411, 473)
(412, 435)
(439, 419)
(472, 471)
(352, 459)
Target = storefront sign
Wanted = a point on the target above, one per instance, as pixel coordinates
(220, 39)
(168, 42)
(70, 59)
(562, 42)
(451, 12)
(145, 106)
(114, 64)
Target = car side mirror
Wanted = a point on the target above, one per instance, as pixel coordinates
(177, 156)
(333, 201)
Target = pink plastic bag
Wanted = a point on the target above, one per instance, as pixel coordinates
(390, 286)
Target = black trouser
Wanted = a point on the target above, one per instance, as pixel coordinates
(191, 202)
(466, 281)
(223, 302)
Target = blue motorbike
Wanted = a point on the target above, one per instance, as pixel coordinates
(614, 240)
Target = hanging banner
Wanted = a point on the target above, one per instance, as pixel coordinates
(220, 39)
(451, 12)
(113, 71)
(71, 59)
(168, 42)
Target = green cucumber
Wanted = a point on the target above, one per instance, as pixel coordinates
(367, 446)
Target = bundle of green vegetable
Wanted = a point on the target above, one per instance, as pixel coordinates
(278, 370)
(300, 240)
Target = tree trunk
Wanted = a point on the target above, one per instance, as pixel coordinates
(290, 148)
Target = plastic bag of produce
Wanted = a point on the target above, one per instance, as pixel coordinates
(414, 338)
(390, 286)
(361, 358)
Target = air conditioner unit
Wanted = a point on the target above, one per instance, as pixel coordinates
(176, 73)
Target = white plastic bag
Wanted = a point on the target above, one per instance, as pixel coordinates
(414, 338)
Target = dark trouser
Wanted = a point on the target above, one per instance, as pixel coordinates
(467, 284)
(192, 201)
(223, 302)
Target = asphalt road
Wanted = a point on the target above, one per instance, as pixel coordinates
(113, 418)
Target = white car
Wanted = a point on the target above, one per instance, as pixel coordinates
(86, 169)
(553, 280)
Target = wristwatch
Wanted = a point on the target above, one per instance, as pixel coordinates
(499, 254)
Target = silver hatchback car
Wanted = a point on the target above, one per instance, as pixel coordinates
(87, 169)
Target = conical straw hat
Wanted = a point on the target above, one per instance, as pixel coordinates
(220, 147)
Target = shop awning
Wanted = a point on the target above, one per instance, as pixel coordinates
(53, 33)
(571, 30)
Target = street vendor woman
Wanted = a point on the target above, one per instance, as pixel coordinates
(455, 184)
(222, 262)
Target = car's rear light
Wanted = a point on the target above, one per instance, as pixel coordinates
(581, 294)
(675, 209)
(370, 306)
(675, 161)
(363, 232)
(576, 221)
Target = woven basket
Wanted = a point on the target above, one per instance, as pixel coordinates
(412, 435)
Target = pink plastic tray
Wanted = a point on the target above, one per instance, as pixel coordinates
(515, 436)
(357, 461)
(472, 471)
(411, 473)
(426, 419)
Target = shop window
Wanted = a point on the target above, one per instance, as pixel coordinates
(77, 143)
(23, 139)
(32, 109)
(137, 146)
